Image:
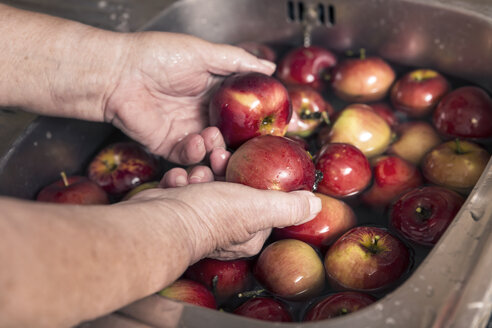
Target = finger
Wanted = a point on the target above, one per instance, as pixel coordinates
(219, 158)
(212, 138)
(200, 174)
(190, 150)
(246, 249)
(175, 177)
(228, 59)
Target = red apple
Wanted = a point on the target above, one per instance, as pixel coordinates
(362, 79)
(309, 110)
(366, 258)
(423, 214)
(300, 140)
(346, 171)
(335, 218)
(290, 268)
(392, 176)
(465, 112)
(225, 278)
(259, 49)
(189, 291)
(360, 126)
(455, 164)
(270, 162)
(264, 308)
(386, 112)
(73, 190)
(307, 66)
(247, 105)
(122, 166)
(142, 187)
(338, 304)
(414, 140)
(418, 92)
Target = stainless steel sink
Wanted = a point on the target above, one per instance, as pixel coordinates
(453, 286)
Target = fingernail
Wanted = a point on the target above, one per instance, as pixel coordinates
(268, 63)
(181, 181)
(197, 176)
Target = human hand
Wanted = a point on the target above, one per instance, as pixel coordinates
(160, 98)
(226, 220)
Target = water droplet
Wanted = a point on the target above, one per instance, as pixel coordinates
(48, 135)
(379, 307)
(35, 143)
(416, 289)
(477, 213)
(390, 321)
(429, 291)
(397, 303)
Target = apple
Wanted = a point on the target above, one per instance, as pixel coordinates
(271, 162)
(338, 304)
(291, 269)
(224, 278)
(259, 49)
(247, 105)
(309, 110)
(121, 166)
(362, 79)
(386, 112)
(418, 92)
(300, 140)
(465, 113)
(264, 308)
(414, 140)
(423, 214)
(306, 66)
(139, 188)
(392, 176)
(189, 291)
(366, 258)
(455, 164)
(73, 190)
(360, 126)
(346, 170)
(335, 218)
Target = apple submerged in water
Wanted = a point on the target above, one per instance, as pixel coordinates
(290, 268)
(271, 162)
(189, 291)
(423, 214)
(247, 105)
(366, 258)
(73, 190)
(338, 304)
(264, 308)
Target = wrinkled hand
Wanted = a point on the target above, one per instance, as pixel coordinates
(161, 96)
(227, 220)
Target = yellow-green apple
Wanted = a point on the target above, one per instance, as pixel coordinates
(309, 110)
(122, 166)
(360, 126)
(335, 218)
(139, 188)
(306, 65)
(465, 113)
(362, 79)
(264, 308)
(73, 190)
(418, 92)
(338, 304)
(271, 162)
(224, 278)
(346, 170)
(247, 105)
(392, 176)
(291, 269)
(414, 140)
(422, 215)
(366, 258)
(190, 291)
(455, 164)
(259, 49)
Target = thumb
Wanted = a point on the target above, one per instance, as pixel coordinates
(282, 209)
(226, 59)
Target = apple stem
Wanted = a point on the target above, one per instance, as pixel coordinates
(64, 178)
(251, 293)
(458, 146)
(362, 53)
(318, 177)
(423, 213)
(343, 311)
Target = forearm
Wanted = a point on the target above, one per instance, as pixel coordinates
(61, 264)
(56, 67)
